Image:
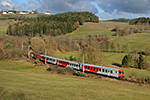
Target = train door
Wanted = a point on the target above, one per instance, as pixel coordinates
(108, 72)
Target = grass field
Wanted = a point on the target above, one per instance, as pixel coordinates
(4, 25)
(38, 85)
(90, 28)
(84, 31)
(136, 41)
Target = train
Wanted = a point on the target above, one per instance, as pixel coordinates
(105, 71)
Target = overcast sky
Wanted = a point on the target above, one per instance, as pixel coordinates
(105, 9)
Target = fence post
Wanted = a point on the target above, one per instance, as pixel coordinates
(22, 45)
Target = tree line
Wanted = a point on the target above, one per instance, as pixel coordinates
(139, 21)
(53, 25)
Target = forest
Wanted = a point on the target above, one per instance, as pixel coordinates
(119, 20)
(139, 21)
(53, 25)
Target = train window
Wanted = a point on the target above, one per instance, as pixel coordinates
(111, 71)
(106, 70)
(96, 69)
(100, 69)
(122, 72)
(91, 68)
(116, 71)
(88, 67)
(119, 72)
(85, 67)
(103, 70)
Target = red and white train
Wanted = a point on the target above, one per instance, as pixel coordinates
(107, 71)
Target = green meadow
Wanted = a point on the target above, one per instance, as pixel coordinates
(84, 31)
(20, 80)
(138, 41)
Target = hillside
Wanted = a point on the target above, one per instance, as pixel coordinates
(20, 79)
(54, 25)
(6, 20)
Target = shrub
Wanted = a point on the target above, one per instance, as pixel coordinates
(8, 45)
(37, 60)
(16, 53)
(92, 56)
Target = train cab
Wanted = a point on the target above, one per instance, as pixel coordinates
(120, 73)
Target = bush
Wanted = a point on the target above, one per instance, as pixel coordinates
(92, 56)
(8, 45)
(14, 53)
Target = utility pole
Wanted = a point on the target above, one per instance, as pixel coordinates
(107, 25)
(83, 63)
(28, 51)
(45, 55)
(22, 45)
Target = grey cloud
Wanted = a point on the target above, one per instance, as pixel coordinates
(115, 15)
(130, 6)
(58, 6)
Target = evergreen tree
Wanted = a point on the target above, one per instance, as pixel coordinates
(141, 62)
(126, 61)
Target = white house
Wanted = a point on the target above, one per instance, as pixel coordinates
(31, 12)
(11, 12)
(47, 12)
(4, 12)
(24, 12)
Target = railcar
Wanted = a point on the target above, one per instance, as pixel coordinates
(74, 65)
(107, 71)
(62, 62)
(51, 60)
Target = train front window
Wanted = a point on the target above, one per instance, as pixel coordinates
(96, 69)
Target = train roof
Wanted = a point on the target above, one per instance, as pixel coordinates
(101, 67)
(49, 57)
(69, 61)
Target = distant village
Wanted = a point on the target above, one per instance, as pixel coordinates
(20, 12)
